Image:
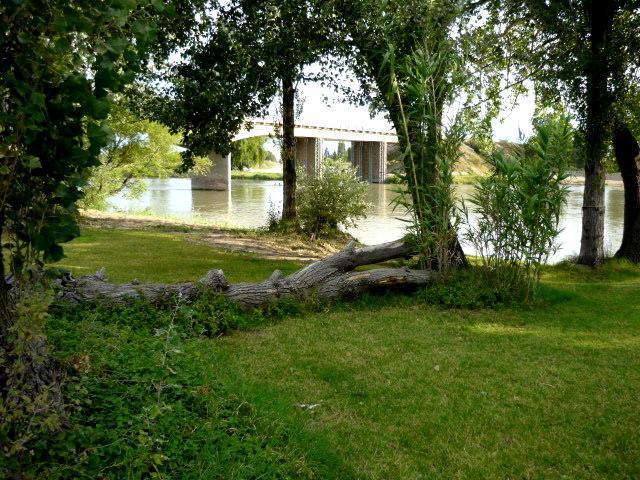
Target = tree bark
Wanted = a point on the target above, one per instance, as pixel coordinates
(628, 158)
(597, 126)
(5, 306)
(330, 278)
(288, 149)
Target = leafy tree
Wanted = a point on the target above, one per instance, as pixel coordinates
(62, 62)
(138, 149)
(248, 53)
(405, 55)
(340, 154)
(249, 153)
(585, 54)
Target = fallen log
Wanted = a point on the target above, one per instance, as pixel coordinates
(330, 278)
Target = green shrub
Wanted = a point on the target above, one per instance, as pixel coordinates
(519, 206)
(31, 406)
(210, 315)
(332, 197)
(469, 288)
(141, 401)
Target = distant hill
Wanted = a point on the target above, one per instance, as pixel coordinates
(473, 163)
(470, 163)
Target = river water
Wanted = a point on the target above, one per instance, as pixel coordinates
(248, 203)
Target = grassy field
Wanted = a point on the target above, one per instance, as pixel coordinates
(382, 388)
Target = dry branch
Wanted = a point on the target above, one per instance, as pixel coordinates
(330, 278)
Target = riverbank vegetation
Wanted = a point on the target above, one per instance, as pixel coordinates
(255, 175)
(331, 198)
(250, 153)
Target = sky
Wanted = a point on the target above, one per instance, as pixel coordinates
(323, 107)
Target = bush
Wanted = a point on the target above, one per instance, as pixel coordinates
(332, 197)
(519, 206)
(31, 405)
(142, 401)
(469, 288)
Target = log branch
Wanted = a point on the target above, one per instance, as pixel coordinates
(330, 278)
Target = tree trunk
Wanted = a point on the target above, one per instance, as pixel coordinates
(426, 175)
(330, 278)
(288, 149)
(5, 300)
(31, 371)
(628, 159)
(597, 126)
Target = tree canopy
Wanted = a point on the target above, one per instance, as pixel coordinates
(244, 55)
(249, 153)
(62, 63)
(138, 148)
(582, 53)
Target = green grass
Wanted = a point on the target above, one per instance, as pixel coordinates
(404, 390)
(413, 390)
(159, 257)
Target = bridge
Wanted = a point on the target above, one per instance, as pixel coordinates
(368, 151)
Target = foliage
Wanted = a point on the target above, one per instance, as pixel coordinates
(429, 78)
(332, 197)
(30, 403)
(248, 153)
(469, 288)
(142, 401)
(341, 153)
(137, 149)
(580, 53)
(244, 54)
(518, 208)
(553, 46)
(62, 62)
(432, 53)
(234, 70)
(256, 175)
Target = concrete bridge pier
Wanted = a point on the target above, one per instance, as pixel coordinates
(309, 154)
(218, 177)
(370, 158)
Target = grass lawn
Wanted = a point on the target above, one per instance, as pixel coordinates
(159, 257)
(398, 389)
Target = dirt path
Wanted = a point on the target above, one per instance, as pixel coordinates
(257, 242)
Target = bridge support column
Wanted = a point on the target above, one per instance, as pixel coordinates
(370, 158)
(309, 154)
(218, 177)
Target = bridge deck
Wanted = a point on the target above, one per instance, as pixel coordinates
(265, 128)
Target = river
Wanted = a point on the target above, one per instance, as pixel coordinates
(248, 203)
